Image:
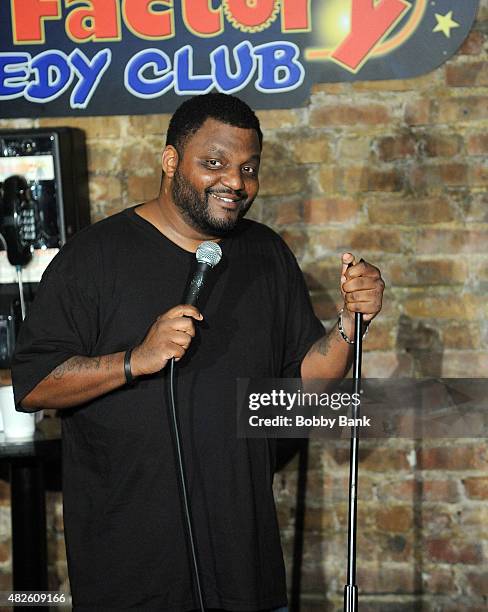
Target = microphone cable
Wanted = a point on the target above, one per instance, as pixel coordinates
(184, 492)
(208, 256)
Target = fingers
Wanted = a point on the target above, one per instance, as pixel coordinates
(362, 283)
(348, 259)
(182, 324)
(368, 295)
(363, 268)
(368, 309)
(362, 287)
(181, 339)
(183, 310)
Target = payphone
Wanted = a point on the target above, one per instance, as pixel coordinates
(43, 202)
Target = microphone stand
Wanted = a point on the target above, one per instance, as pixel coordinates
(351, 589)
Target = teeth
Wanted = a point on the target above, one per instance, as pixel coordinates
(223, 199)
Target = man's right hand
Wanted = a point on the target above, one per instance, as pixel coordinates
(169, 336)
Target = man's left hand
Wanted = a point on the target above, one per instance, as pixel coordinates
(361, 287)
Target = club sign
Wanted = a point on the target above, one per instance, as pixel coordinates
(104, 57)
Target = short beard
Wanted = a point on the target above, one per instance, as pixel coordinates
(196, 210)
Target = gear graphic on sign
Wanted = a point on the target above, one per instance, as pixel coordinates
(250, 4)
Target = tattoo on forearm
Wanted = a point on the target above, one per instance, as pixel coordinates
(76, 364)
(322, 346)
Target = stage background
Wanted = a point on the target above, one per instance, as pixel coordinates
(397, 172)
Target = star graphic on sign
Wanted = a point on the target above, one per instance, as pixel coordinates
(445, 23)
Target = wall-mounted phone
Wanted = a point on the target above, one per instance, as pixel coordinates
(43, 202)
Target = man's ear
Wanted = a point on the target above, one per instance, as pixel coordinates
(170, 159)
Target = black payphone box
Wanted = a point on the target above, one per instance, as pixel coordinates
(43, 202)
(53, 162)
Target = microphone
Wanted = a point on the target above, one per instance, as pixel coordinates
(208, 256)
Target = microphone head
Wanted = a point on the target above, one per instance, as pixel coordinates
(209, 253)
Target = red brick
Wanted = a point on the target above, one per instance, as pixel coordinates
(394, 518)
(329, 178)
(354, 147)
(476, 487)
(385, 364)
(449, 242)
(473, 45)
(377, 239)
(454, 457)
(478, 583)
(103, 157)
(278, 118)
(410, 212)
(474, 517)
(311, 149)
(438, 519)
(381, 336)
(141, 159)
(330, 210)
(462, 335)
(439, 580)
(440, 490)
(323, 274)
(386, 579)
(472, 108)
(417, 273)
(366, 178)
(283, 212)
(429, 177)
(467, 74)
(440, 145)
(318, 519)
(398, 490)
(105, 188)
(149, 124)
(448, 551)
(4, 493)
(478, 144)
(416, 84)
(324, 307)
(396, 147)
(295, 239)
(345, 114)
(143, 188)
(282, 179)
(478, 175)
(5, 551)
(418, 112)
(376, 459)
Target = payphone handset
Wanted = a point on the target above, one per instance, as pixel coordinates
(18, 220)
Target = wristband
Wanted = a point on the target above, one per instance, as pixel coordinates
(129, 379)
(343, 333)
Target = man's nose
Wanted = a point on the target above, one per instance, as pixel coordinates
(232, 179)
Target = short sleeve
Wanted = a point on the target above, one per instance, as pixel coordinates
(303, 328)
(61, 323)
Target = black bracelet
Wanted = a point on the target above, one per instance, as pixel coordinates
(129, 379)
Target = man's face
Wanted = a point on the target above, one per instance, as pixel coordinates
(217, 177)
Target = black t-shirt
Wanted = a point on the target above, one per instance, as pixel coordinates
(125, 536)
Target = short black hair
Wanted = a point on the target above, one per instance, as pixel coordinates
(192, 114)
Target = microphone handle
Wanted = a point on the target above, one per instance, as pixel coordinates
(195, 287)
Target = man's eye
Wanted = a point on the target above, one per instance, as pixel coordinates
(214, 163)
(250, 170)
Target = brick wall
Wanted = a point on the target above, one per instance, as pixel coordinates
(397, 172)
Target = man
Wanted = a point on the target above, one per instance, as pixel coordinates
(108, 310)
